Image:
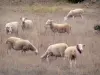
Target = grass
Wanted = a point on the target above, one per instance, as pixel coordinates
(42, 9)
(45, 8)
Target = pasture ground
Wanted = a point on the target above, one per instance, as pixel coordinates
(16, 63)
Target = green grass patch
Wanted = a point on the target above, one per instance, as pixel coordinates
(42, 8)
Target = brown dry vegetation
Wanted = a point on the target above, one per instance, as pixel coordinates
(16, 63)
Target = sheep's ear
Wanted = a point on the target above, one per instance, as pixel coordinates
(77, 46)
(50, 20)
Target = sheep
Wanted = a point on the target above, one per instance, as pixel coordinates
(71, 53)
(60, 28)
(20, 44)
(26, 24)
(12, 27)
(56, 50)
(74, 13)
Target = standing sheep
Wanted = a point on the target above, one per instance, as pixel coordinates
(74, 13)
(71, 53)
(60, 28)
(26, 24)
(12, 27)
(20, 44)
(56, 50)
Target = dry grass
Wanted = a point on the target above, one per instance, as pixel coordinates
(57, 7)
(43, 9)
(16, 63)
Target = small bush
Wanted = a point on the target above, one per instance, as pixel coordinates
(75, 1)
(97, 27)
(71, 1)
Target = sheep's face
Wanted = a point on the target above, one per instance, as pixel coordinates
(65, 18)
(9, 44)
(36, 52)
(49, 22)
(80, 47)
(23, 19)
(32, 48)
(8, 30)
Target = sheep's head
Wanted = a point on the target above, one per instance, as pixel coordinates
(49, 22)
(80, 47)
(36, 51)
(33, 48)
(8, 30)
(9, 44)
(23, 19)
(65, 18)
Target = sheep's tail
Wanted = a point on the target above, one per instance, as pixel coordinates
(44, 55)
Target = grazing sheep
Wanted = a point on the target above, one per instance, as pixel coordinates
(74, 13)
(60, 28)
(71, 53)
(56, 50)
(12, 27)
(26, 24)
(20, 44)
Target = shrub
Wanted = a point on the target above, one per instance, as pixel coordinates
(71, 1)
(75, 1)
(97, 27)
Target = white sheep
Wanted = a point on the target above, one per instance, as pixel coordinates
(26, 24)
(60, 28)
(74, 13)
(20, 44)
(12, 27)
(56, 50)
(71, 53)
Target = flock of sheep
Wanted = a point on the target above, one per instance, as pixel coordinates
(57, 50)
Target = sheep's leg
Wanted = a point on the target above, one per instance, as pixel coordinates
(48, 58)
(17, 33)
(70, 61)
(81, 16)
(74, 63)
(64, 58)
(23, 51)
(55, 57)
(45, 30)
(67, 31)
(7, 51)
(73, 17)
